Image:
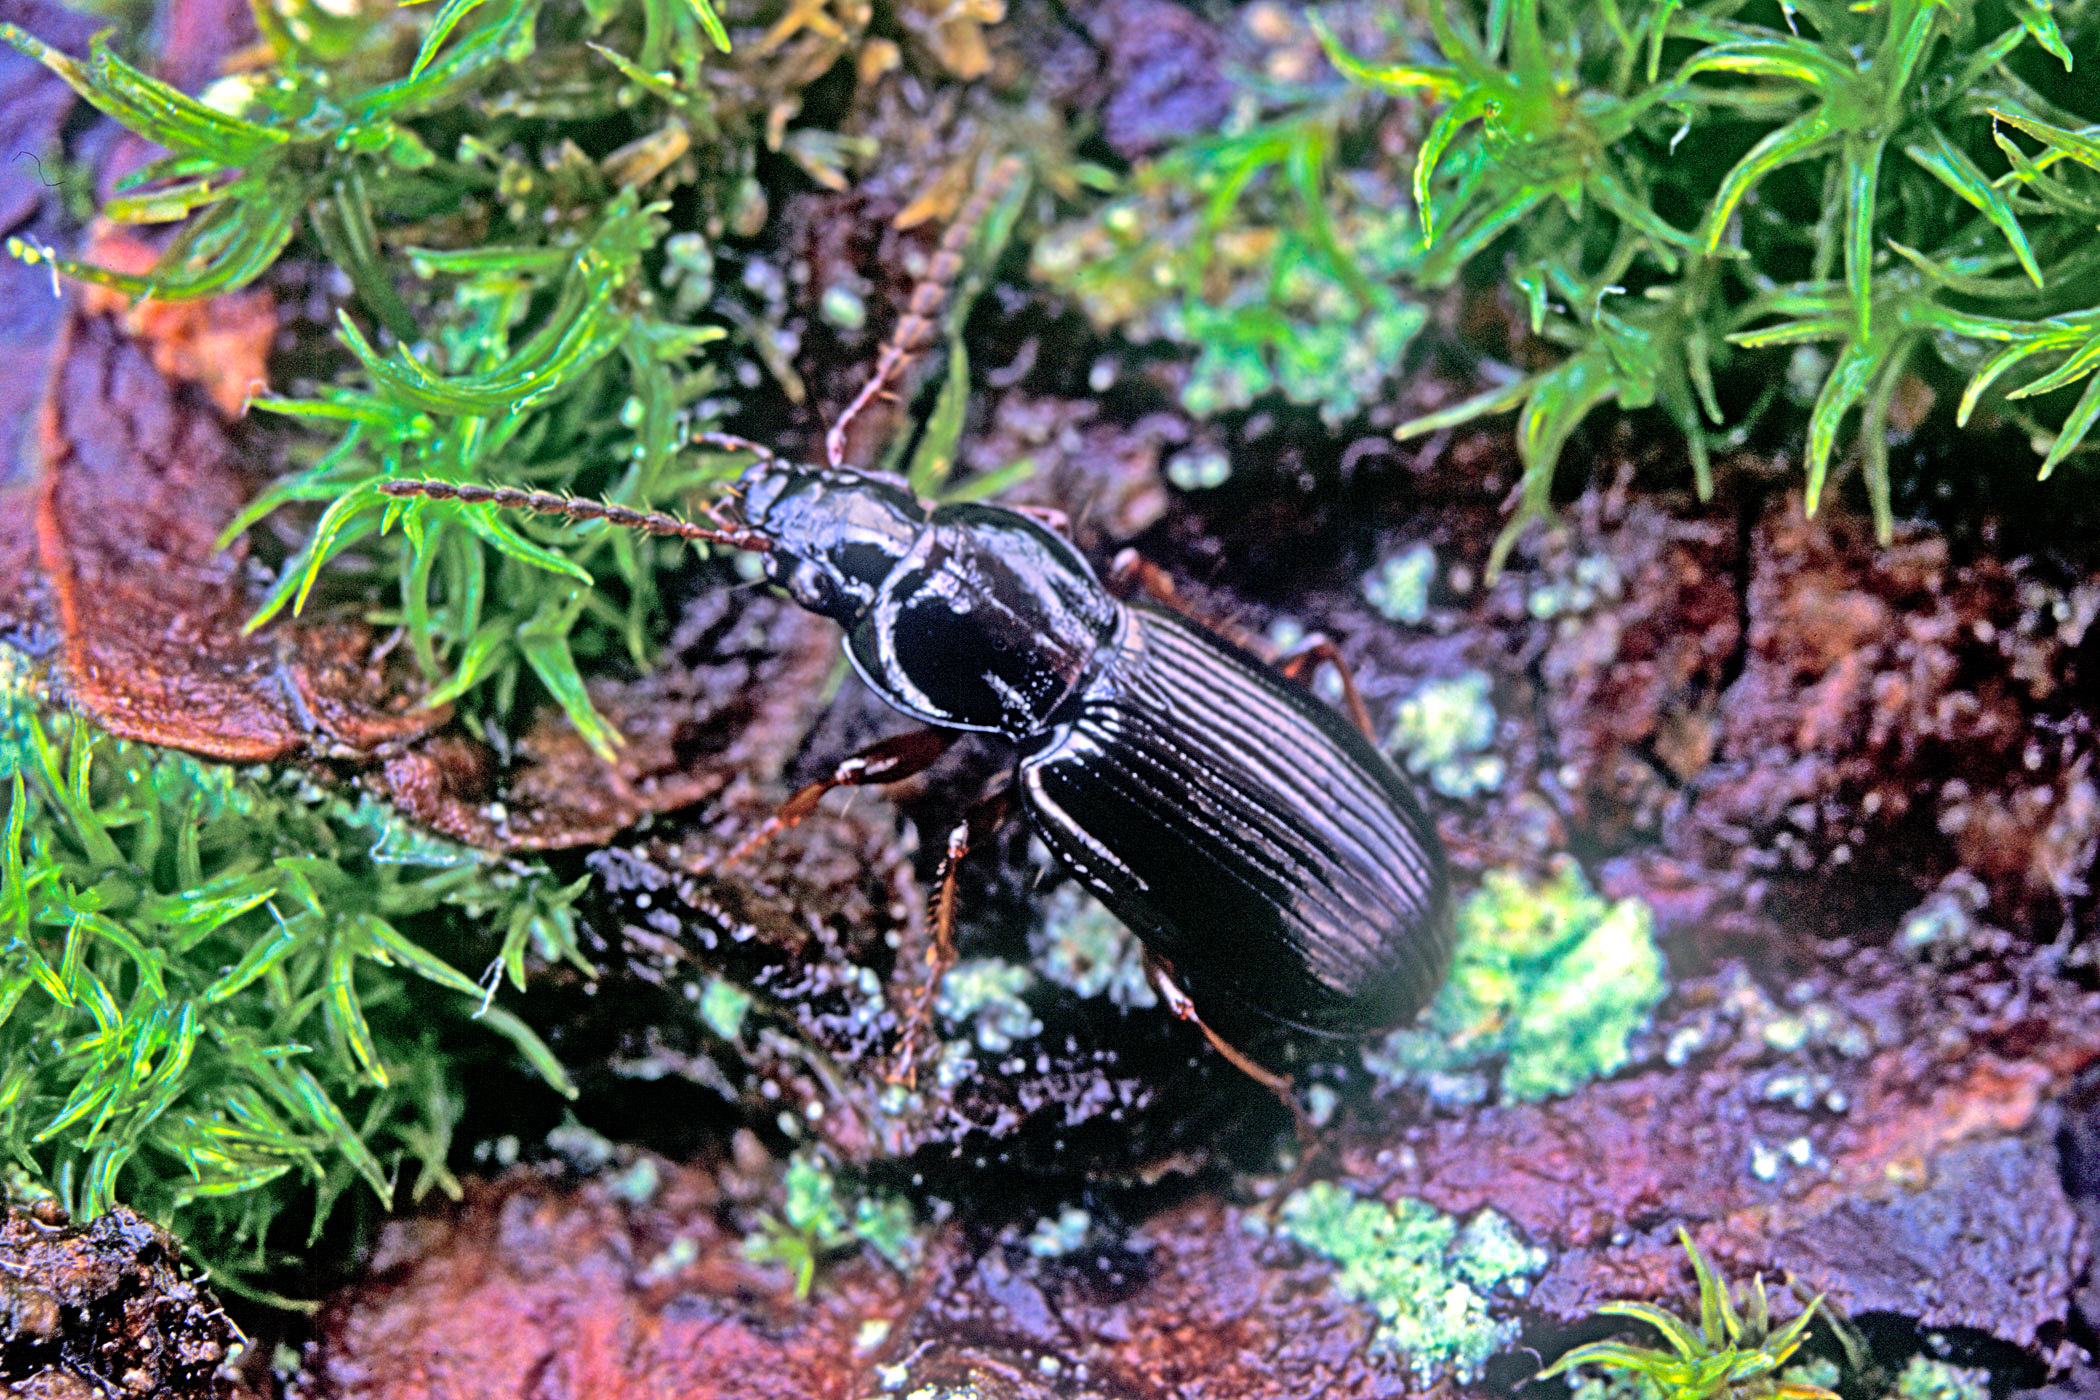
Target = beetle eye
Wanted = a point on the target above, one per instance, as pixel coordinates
(810, 586)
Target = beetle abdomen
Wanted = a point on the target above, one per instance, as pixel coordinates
(1246, 832)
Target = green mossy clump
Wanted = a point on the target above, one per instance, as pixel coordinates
(1445, 730)
(1548, 987)
(1729, 1352)
(818, 1217)
(1399, 587)
(1711, 209)
(1925, 1378)
(1430, 1280)
(985, 996)
(218, 997)
(1088, 951)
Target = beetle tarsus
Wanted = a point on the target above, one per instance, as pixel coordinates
(976, 825)
(1281, 1085)
(1306, 657)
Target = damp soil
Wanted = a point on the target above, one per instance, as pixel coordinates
(1782, 736)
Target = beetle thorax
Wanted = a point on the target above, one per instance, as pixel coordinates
(990, 623)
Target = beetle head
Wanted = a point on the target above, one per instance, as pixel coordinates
(835, 535)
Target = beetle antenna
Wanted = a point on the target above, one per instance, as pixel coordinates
(649, 522)
(915, 328)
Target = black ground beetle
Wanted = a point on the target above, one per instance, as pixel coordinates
(1273, 862)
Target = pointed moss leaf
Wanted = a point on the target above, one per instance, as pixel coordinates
(1499, 400)
(149, 106)
(528, 1044)
(1794, 141)
(2075, 428)
(347, 1011)
(1862, 177)
(544, 642)
(1951, 167)
(146, 962)
(992, 484)
(488, 525)
(662, 86)
(2081, 363)
(1794, 59)
(313, 1102)
(386, 940)
(1841, 392)
(1401, 79)
(441, 26)
(934, 457)
(1559, 400)
(2036, 19)
(346, 521)
(1681, 1338)
(475, 663)
(703, 13)
(2078, 146)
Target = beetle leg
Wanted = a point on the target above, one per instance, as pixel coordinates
(1050, 517)
(976, 825)
(1308, 654)
(889, 761)
(1161, 975)
(1131, 572)
(730, 442)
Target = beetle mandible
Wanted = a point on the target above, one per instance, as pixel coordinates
(1270, 858)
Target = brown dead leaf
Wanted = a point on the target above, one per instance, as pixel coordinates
(135, 478)
(221, 345)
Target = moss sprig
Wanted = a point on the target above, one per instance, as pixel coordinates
(217, 1003)
(1670, 185)
(494, 180)
(1729, 1353)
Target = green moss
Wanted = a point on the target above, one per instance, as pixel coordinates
(984, 994)
(1444, 729)
(1925, 1378)
(1681, 198)
(1730, 1352)
(1064, 1233)
(1087, 950)
(218, 997)
(1399, 588)
(819, 1217)
(723, 1006)
(1430, 1282)
(1240, 248)
(1548, 986)
(527, 200)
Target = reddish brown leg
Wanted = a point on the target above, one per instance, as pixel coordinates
(886, 762)
(1131, 572)
(1161, 974)
(975, 826)
(1050, 517)
(730, 442)
(1307, 655)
